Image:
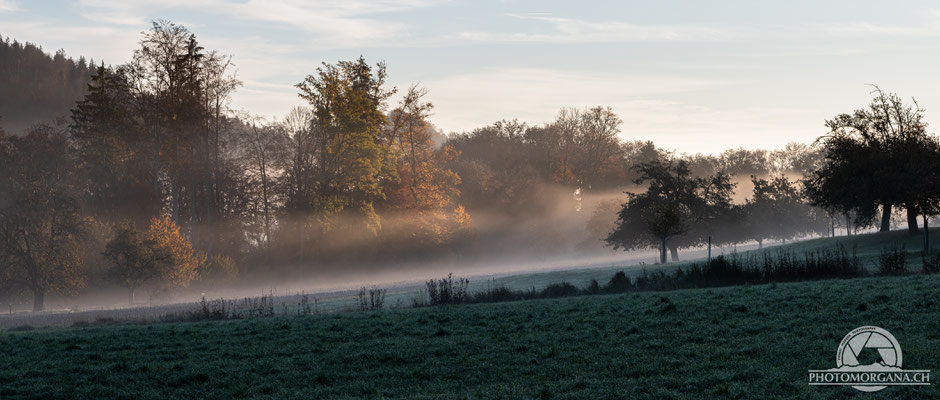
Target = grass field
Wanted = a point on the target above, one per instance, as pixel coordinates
(737, 342)
(868, 247)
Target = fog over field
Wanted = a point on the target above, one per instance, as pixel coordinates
(488, 199)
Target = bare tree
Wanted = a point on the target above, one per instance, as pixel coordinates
(264, 146)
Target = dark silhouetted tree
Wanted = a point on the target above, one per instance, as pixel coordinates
(869, 164)
(135, 259)
(38, 87)
(776, 210)
(41, 228)
(673, 204)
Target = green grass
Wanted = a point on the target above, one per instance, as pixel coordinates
(739, 342)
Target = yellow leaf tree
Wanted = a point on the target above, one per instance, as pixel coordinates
(427, 191)
(183, 264)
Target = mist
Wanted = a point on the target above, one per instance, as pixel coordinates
(170, 195)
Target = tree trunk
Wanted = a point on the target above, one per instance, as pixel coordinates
(193, 220)
(157, 190)
(848, 225)
(760, 243)
(130, 296)
(709, 248)
(662, 252)
(303, 239)
(175, 196)
(885, 218)
(262, 167)
(926, 236)
(912, 221)
(674, 252)
(39, 300)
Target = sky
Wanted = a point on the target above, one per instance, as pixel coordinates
(692, 76)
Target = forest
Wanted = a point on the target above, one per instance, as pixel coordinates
(140, 176)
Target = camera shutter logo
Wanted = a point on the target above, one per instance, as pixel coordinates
(884, 369)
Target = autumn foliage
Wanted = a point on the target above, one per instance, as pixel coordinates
(183, 263)
(427, 192)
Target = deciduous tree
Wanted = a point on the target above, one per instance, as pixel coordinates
(182, 263)
(673, 204)
(349, 157)
(135, 259)
(41, 227)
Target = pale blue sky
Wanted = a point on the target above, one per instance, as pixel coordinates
(693, 76)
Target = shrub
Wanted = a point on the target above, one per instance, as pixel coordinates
(449, 290)
(371, 299)
(931, 262)
(495, 294)
(303, 304)
(562, 289)
(221, 309)
(220, 269)
(619, 283)
(21, 328)
(593, 287)
(892, 261)
(723, 270)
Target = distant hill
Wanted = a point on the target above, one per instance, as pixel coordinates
(36, 86)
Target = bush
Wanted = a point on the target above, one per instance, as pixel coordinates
(593, 287)
(371, 299)
(449, 290)
(892, 261)
(21, 328)
(931, 262)
(765, 268)
(563, 289)
(619, 283)
(304, 306)
(494, 295)
(221, 309)
(219, 269)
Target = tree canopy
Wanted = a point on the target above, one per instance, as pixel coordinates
(675, 205)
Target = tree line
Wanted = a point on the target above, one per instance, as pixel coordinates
(874, 161)
(153, 181)
(37, 87)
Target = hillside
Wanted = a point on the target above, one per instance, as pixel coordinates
(755, 341)
(36, 87)
(867, 246)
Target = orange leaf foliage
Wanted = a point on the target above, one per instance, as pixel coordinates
(183, 267)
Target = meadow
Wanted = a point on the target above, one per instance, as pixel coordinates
(750, 341)
(867, 247)
(735, 342)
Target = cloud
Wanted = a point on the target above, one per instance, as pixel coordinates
(535, 94)
(335, 23)
(653, 107)
(267, 86)
(113, 45)
(8, 6)
(869, 29)
(569, 30)
(552, 29)
(928, 27)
